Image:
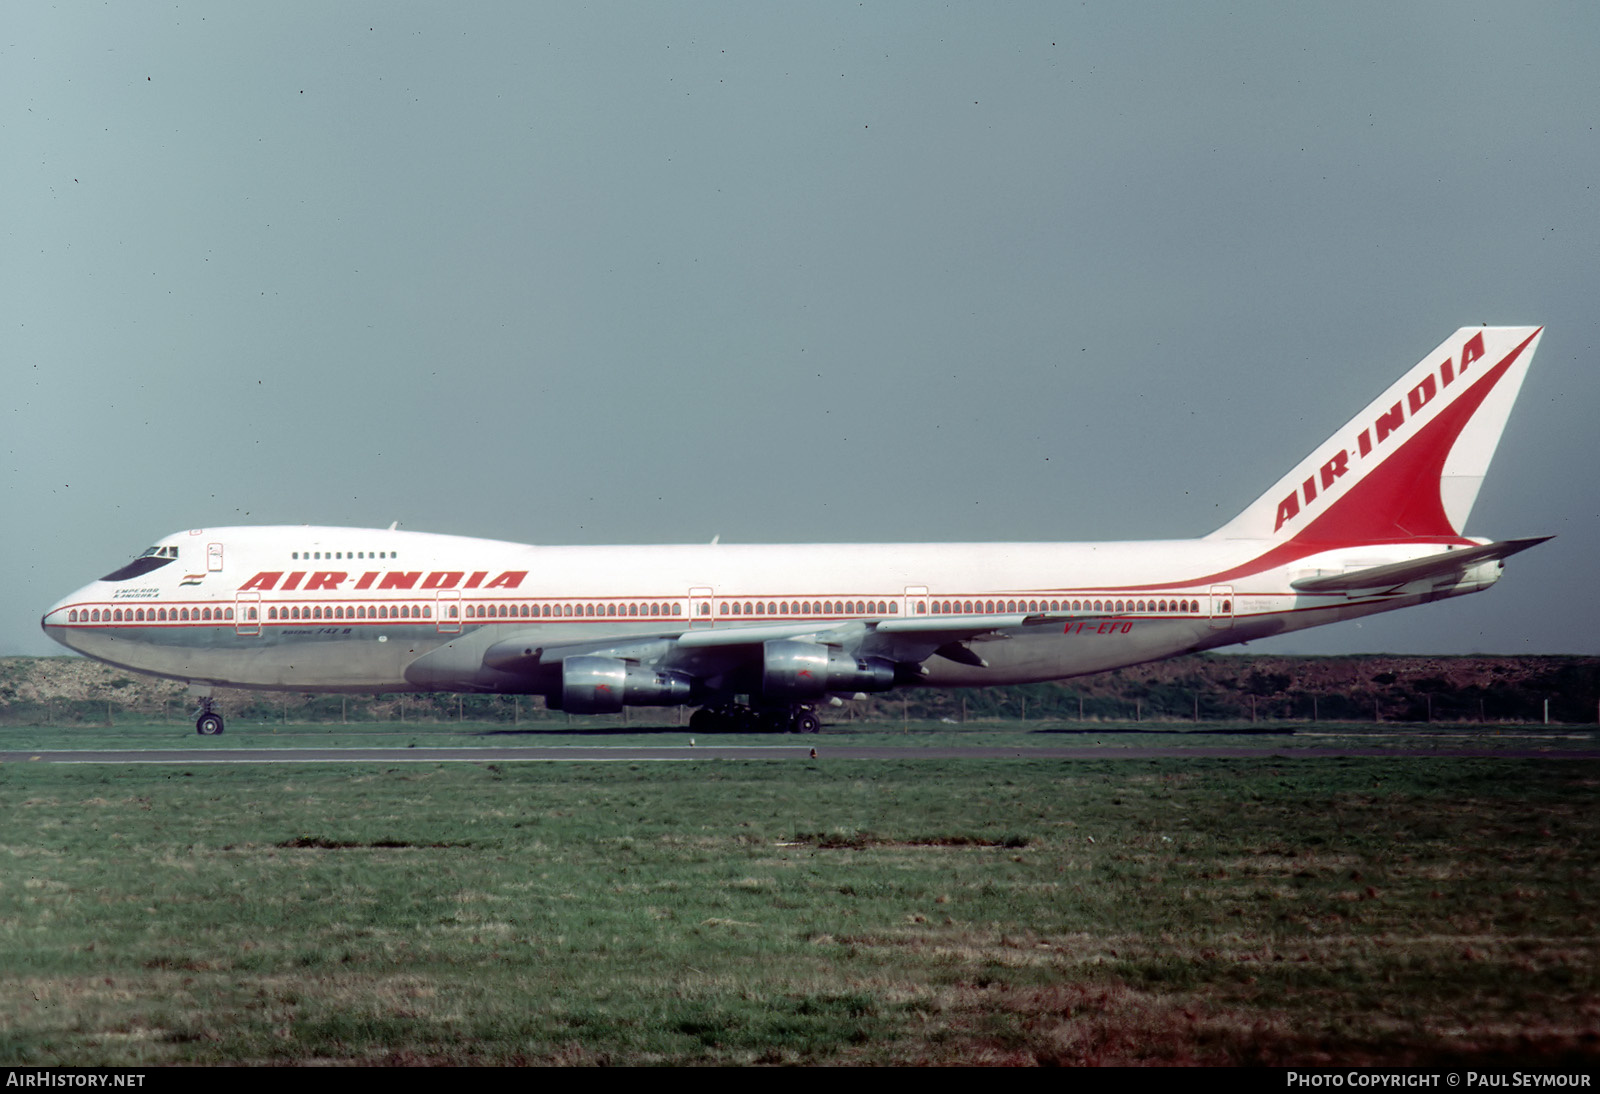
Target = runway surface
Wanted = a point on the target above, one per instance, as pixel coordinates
(784, 752)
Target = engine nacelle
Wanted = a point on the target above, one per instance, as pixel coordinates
(795, 669)
(604, 685)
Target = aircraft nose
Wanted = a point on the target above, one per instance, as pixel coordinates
(58, 621)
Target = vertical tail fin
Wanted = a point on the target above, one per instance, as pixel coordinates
(1410, 464)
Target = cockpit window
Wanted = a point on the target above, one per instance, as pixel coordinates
(152, 559)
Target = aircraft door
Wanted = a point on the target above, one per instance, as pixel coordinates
(247, 613)
(1221, 607)
(702, 610)
(916, 600)
(449, 611)
(213, 558)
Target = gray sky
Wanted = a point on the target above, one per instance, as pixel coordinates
(648, 273)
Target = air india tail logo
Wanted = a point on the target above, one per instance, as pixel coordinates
(1373, 441)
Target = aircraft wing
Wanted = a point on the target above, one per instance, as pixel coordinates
(716, 651)
(703, 654)
(1395, 574)
(900, 639)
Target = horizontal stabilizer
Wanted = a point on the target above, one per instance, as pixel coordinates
(1452, 562)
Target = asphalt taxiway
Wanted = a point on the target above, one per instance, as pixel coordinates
(821, 750)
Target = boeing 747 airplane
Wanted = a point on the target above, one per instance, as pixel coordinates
(757, 635)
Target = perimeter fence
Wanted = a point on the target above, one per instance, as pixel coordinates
(1038, 703)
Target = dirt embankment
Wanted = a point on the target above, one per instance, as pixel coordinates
(70, 679)
(1211, 687)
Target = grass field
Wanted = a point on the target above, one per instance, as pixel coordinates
(1265, 910)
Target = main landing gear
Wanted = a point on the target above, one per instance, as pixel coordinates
(738, 718)
(209, 724)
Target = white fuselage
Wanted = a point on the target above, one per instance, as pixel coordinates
(335, 609)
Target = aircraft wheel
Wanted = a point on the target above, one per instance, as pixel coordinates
(807, 722)
(704, 721)
(208, 725)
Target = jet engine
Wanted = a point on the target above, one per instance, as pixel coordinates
(794, 669)
(604, 685)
